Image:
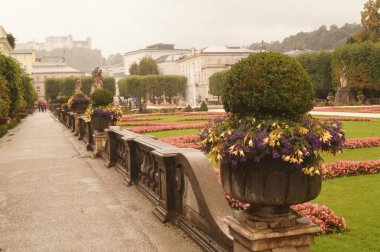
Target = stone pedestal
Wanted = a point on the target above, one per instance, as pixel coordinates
(76, 123)
(286, 233)
(344, 96)
(100, 138)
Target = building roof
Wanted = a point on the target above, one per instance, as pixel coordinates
(169, 58)
(22, 51)
(53, 68)
(158, 47)
(226, 49)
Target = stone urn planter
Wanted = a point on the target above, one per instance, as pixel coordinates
(80, 108)
(270, 186)
(99, 123)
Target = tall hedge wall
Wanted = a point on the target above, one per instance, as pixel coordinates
(152, 85)
(65, 86)
(318, 66)
(362, 62)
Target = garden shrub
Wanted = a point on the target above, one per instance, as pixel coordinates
(101, 97)
(268, 84)
(203, 107)
(4, 99)
(188, 109)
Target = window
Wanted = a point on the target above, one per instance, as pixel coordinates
(38, 89)
(37, 78)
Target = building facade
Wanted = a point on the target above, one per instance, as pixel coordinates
(198, 65)
(56, 42)
(5, 47)
(167, 64)
(42, 72)
(26, 58)
(154, 51)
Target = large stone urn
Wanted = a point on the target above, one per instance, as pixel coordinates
(99, 123)
(270, 186)
(79, 108)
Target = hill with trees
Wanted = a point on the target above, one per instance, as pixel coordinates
(320, 39)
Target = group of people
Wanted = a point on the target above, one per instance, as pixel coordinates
(42, 106)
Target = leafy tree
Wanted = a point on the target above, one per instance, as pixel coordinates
(318, 66)
(114, 59)
(217, 80)
(11, 40)
(370, 19)
(146, 66)
(30, 94)
(134, 70)
(52, 88)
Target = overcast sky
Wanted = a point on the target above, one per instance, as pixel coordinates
(125, 25)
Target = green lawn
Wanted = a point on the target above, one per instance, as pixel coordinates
(354, 155)
(361, 129)
(357, 199)
(173, 133)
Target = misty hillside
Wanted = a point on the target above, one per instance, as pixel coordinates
(82, 59)
(320, 39)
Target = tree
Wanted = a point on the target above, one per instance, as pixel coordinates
(370, 19)
(30, 94)
(114, 59)
(147, 66)
(134, 69)
(4, 98)
(11, 40)
(217, 80)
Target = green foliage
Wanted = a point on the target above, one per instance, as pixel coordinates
(11, 40)
(318, 66)
(217, 80)
(30, 94)
(370, 19)
(4, 98)
(320, 39)
(203, 107)
(157, 85)
(268, 84)
(55, 87)
(146, 66)
(10, 70)
(362, 62)
(188, 109)
(101, 97)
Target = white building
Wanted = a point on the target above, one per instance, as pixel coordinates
(5, 47)
(154, 51)
(167, 64)
(198, 65)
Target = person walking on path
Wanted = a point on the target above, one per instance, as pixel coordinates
(44, 106)
(39, 106)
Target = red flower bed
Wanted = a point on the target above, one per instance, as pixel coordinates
(168, 126)
(191, 141)
(351, 168)
(371, 109)
(320, 215)
(362, 143)
(356, 119)
(196, 119)
(134, 124)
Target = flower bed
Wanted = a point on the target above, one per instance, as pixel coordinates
(371, 109)
(351, 168)
(135, 124)
(191, 141)
(142, 119)
(169, 126)
(320, 215)
(362, 143)
(355, 119)
(196, 119)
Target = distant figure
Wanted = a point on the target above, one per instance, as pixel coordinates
(343, 77)
(78, 87)
(45, 106)
(97, 80)
(39, 106)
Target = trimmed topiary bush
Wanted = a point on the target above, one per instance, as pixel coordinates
(268, 84)
(203, 107)
(188, 109)
(101, 97)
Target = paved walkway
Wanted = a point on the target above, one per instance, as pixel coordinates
(54, 197)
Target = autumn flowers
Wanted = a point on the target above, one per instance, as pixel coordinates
(233, 141)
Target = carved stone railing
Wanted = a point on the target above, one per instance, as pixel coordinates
(180, 182)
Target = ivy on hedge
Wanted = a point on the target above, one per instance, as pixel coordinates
(55, 87)
(152, 85)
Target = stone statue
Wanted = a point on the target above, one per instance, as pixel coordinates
(78, 87)
(97, 80)
(343, 77)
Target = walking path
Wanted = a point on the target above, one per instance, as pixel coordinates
(55, 197)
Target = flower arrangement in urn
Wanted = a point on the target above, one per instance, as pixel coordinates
(78, 102)
(267, 146)
(102, 112)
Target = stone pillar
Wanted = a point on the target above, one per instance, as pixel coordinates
(76, 124)
(287, 233)
(100, 138)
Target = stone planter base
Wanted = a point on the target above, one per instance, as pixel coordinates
(100, 139)
(287, 233)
